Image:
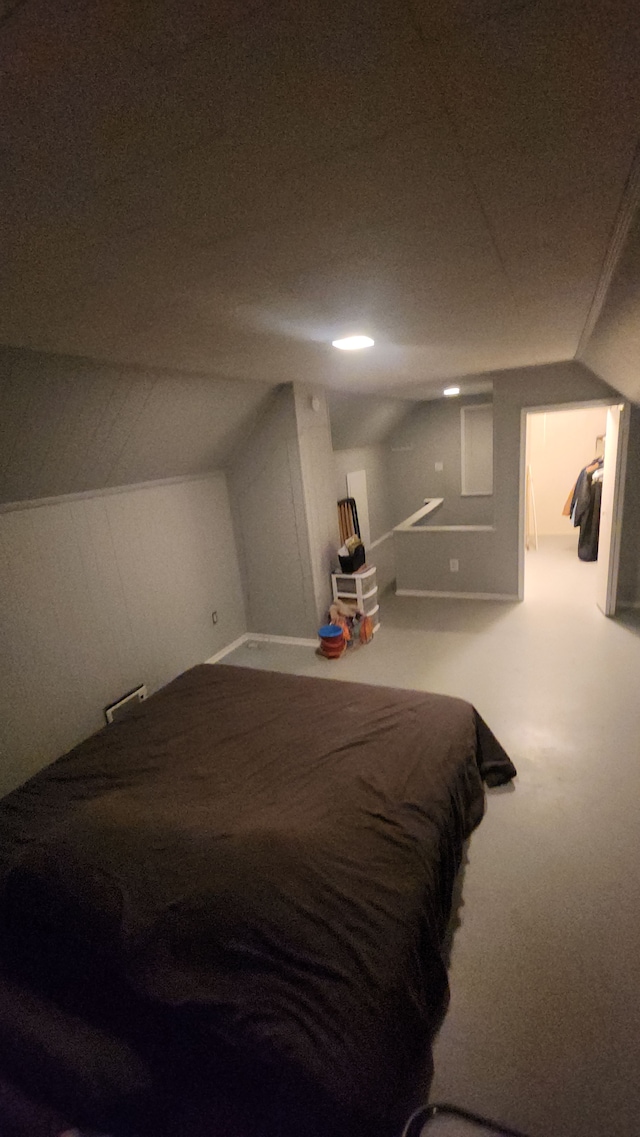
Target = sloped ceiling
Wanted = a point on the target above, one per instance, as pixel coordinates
(613, 349)
(68, 425)
(358, 420)
(225, 187)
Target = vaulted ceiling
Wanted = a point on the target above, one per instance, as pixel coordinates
(224, 187)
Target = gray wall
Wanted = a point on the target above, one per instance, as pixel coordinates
(316, 464)
(384, 558)
(613, 348)
(534, 386)
(373, 459)
(100, 593)
(363, 420)
(422, 559)
(269, 516)
(494, 555)
(69, 425)
(629, 579)
(430, 433)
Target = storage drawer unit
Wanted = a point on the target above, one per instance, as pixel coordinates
(360, 589)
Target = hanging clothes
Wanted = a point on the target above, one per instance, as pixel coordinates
(590, 523)
(584, 510)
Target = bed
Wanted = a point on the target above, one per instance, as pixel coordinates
(239, 892)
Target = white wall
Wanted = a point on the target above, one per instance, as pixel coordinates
(101, 593)
(559, 445)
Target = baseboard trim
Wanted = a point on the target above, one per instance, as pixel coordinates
(456, 595)
(229, 648)
(385, 537)
(260, 637)
(294, 641)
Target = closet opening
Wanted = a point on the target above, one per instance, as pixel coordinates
(571, 499)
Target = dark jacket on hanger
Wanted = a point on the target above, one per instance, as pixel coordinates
(590, 524)
(585, 511)
(579, 500)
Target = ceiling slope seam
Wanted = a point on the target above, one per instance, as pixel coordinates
(456, 135)
(106, 491)
(627, 209)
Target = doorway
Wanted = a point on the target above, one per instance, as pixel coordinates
(571, 503)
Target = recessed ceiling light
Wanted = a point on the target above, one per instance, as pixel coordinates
(353, 343)
(451, 391)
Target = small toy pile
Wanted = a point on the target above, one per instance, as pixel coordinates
(346, 628)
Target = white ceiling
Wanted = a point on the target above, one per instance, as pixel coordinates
(225, 187)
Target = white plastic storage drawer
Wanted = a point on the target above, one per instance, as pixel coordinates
(347, 585)
(356, 584)
(370, 604)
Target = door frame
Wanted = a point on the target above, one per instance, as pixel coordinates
(611, 592)
(618, 503)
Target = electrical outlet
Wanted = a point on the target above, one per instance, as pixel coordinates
(439, 467)
(454, 565)
(214, 617)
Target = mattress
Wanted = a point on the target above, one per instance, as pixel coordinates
(251, 873)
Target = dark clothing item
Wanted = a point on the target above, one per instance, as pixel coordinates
(590, 523)
(585, 512)
(581, 497)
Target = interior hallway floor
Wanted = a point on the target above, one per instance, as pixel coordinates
(554, 573)
(543, 1030)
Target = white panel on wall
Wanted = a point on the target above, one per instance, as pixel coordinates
(357, 488)
(101, 593)
(476, 426)
(373, 460)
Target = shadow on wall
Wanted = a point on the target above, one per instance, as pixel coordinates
(629, 618)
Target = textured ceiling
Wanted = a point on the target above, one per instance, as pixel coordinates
(225, 187)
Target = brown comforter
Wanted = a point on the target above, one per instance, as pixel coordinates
(253, 865)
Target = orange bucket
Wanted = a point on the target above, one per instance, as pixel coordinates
(332, 643)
